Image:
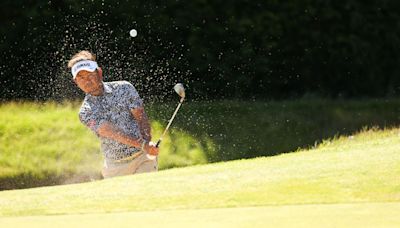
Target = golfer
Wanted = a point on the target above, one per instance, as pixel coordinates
(114, 112)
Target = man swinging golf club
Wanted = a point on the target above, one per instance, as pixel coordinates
(114, 111)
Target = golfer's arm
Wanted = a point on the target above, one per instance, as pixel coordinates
(143, 121)
(107, 130)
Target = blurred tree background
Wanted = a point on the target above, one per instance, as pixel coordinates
(221, 49)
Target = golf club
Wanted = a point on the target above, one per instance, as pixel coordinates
(180, 90)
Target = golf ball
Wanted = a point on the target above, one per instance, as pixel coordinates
(133, 33)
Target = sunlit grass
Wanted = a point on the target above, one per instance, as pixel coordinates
(300, 216)
(37, 140)
(359, 169)
(45, 144)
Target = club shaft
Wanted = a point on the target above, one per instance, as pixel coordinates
(170, 122)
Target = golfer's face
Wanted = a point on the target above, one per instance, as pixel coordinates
(88, 81)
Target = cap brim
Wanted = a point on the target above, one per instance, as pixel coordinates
(86, 69)
(87, 65)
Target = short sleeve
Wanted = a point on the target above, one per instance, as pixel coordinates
(90, 117)
(133, 99)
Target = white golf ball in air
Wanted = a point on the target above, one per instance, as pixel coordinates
(133, 33)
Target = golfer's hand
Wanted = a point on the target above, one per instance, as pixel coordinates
(151, 149)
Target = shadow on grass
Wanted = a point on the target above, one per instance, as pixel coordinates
(28, 180)
(243, 129)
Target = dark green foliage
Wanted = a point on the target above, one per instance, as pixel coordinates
(226, 49)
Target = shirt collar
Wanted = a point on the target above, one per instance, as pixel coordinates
(107, 88)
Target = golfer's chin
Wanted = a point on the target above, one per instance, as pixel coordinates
(90, 91)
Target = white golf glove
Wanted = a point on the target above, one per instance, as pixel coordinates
(149, 156)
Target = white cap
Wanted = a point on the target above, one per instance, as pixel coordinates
(87, 65)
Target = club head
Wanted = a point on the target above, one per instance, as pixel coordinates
(180, 90)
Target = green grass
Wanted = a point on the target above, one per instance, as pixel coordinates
(359, 169)
(39, 142)
(45, 144)
(246, 129)
(346, 182)
(317, 215)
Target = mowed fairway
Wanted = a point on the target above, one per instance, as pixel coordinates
(317, 215)
(348, 182)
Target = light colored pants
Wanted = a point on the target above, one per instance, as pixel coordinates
(140, 164)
